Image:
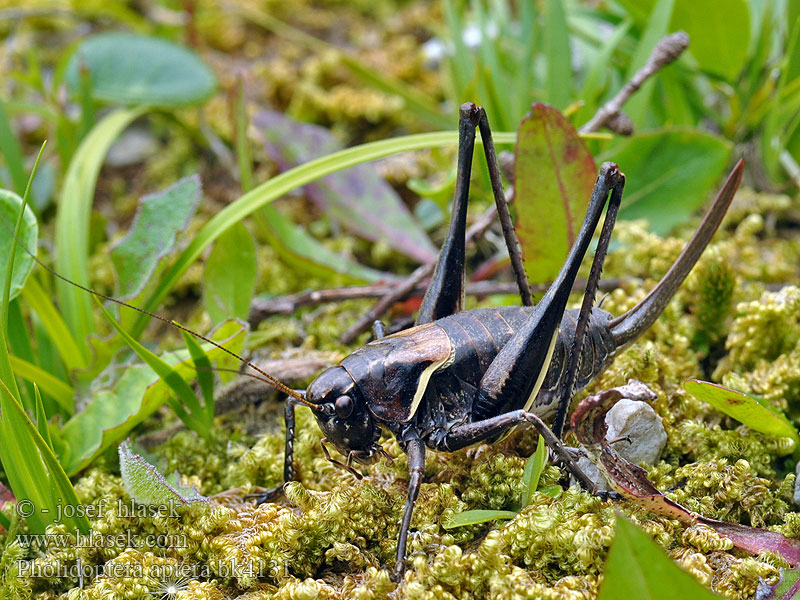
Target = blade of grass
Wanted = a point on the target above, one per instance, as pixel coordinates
(72, 221)
(30, 465)
(20, 345)
(476, 517)
(12, 152)
(458, 59)
(657, 26)
(66, 346)
(6, 373)
(533, 471)
(61, 391)
(41, 418)
(557, 51)
(282, 184)
(37, 474)
(205, 376)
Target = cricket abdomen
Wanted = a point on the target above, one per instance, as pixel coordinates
(478, 335)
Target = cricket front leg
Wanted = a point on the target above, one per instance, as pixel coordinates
(288, 457)
(415, 448)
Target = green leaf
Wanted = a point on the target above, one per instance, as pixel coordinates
(750, 411)
(113, 413)
(147, 485)
(533, 471)
(720, 33)
(230, 275)
(554, 178)
(10, 204)
(159, 218)
(133, 69)
(72, 221)
(669, 174)
(476, 517)
(41, 419)
(32, 469)
(39, 301)
(300, 250)
(639, 10)
(637, 568)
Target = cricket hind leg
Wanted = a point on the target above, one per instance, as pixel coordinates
(445, 295)
(492, 428)
(517, 371)
(568, 383)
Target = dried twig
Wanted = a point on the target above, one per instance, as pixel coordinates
(665, 52)
(286, 305)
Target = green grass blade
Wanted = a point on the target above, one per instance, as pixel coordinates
(476, 517)
(282, 184)
(72, 220)
(66, 346)
(657, 26)
(559, 65)
(41, 419)
(205, 376)
(62, 392)
(6, 373)
(19, 343)
(12, 152)
(459, 58)
(595, 81)
(37, 474)
(533, 471)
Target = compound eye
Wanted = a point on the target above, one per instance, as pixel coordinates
(344, 406)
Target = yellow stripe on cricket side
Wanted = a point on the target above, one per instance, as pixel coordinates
(425, 377)
(542, 373)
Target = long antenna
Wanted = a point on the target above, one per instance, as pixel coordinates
(266, 377)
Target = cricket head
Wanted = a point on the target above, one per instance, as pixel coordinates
(342, 413)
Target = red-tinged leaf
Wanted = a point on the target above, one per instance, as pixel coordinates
(358, 197)
(629, 480)
(756, 540)
(554, 176)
